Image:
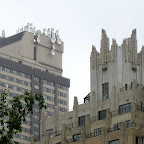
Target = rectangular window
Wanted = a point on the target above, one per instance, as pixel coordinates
(125, 108)
(118, 126)
(128, 123)
(36, 86)
(76, 137)
(97, 132)
(36, 117)
(102, 114)
(50, 113)
(114, 142)
(81, 120)
(45, 97)
(15, 72)
(44, 89)
(50, 132)
(36, 125)
(105, 91)
(37, 79)
(137, 140)
(44, 81)
(36, 109)
(7, 70)
(36, 133)
(142, 140)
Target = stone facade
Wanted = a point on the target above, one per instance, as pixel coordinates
(115, 112)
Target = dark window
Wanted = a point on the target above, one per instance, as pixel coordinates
(81, 120)
(127, 123)
(118, 126)
(76, 137)
(114, 142)
(125, 108)
(142, 140)
(137, 140)
(59, 143)
(37, 79)
(102, 114)
(126, 87)
(105, 91)
(50, 132)
(97, 132)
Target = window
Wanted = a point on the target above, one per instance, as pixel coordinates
(76, 137)
(36, 86)
(102, 114)
(23, 90)
(15, 72)
(44, 89)
(36, 125)
(126, 86)
(36, 109)
(22, 137)
(23, 75)
(105, 91)
(50, 132)
(81, 120)
(36, 133)
(142, 140)
(45, 97)
(36, 117)
(118, 126)
(7, 70)
(125, 108)
(51, 91)
(0, 67)
(50, 83)
(44, 81)
(36, 79)
(128, 123)
(114, 142)
(51, 98)
(29, 84)
(97, 132)
(50, 113)
(29, 76)
(14, 79)
(137, 140)
(15, 88)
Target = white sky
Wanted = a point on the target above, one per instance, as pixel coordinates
(80, 23)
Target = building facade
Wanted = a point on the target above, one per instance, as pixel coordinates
(32, 61)
(113, 112)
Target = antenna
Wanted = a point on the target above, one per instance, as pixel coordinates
(53, 52)
(59, 41)
(38, 32)
(3, 33)
(48, 32)
(53, 46)
(26, 28)
(38, 39)
(34, 28)
(53, 39)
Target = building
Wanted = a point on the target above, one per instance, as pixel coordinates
(113, 113)
(32, 61)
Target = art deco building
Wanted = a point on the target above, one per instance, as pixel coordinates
(113, 112)
(32, 61)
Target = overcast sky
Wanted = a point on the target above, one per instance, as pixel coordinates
(80, 23)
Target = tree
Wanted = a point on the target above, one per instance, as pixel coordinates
(13, 113)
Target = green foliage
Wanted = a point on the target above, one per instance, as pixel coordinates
(13, 113)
